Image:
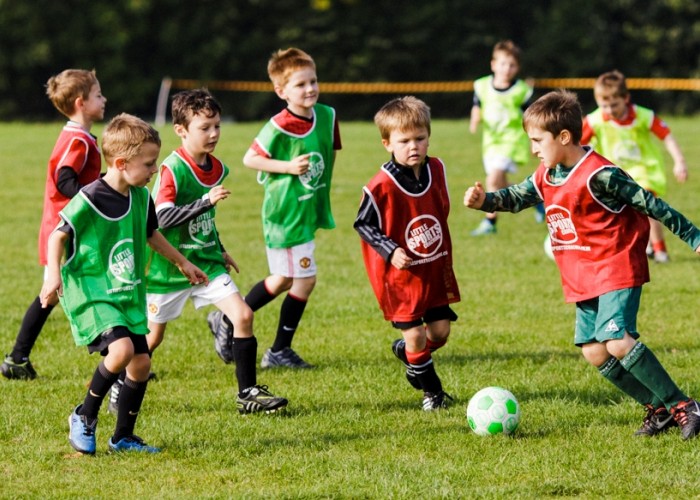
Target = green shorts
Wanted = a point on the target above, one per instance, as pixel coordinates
(608, 316)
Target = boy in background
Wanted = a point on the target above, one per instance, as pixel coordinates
(499, 101)
(294, 154)
(597, 217)
(186, 192)
(101, 285)
(406, 244)
(74, 163)
(624, 133)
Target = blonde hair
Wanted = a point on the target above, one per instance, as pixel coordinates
(403, 113)
(556, 111)
(124, 135)
(507, 47)
(611, 84)
(284, 62)
(64, 88)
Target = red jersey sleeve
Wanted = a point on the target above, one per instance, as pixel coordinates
(587, 133)
(659, 128)
(74, 157)
(167, 191)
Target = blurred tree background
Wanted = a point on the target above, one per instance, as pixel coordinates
(133, 44)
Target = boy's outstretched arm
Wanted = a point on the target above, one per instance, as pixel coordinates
(159, 244)
(680, 171)
(52, 283)
(474, 196)
(296, 166)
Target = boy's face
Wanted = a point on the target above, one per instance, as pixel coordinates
(202, 134)
(138, 170)
(94, 105)
(549, 149)
(613, 106)
(300, 92)
(409, 147)
(504, 67)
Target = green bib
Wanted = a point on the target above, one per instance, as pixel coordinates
(502, 120)
(631, 147)
(197, 240)
(103, 279)
(295, 206)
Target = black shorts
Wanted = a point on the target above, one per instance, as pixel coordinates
(431, 315)
(102, 341)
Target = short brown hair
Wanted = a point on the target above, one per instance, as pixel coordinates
(508, 47)
(64, 88)
(402, 113)
(556, 111)
(286, 61)
(188, 103)
(611, 84)
(124, 135)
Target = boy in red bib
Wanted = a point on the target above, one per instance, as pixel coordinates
(406, 243)
(597, 220)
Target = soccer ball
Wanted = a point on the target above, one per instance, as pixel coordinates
(493, 410)
(548, 247)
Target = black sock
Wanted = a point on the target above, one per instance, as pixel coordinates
(290, 315)
(245, 352)
(130, 400)
(258, 296)
(32, 323)
(428, 377)
(100, 384)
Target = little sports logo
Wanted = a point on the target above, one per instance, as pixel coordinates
(561, 227)
(121, 261)
(311, 179)
(424, 235)
(200, 228)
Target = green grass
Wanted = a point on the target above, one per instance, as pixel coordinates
(354, 427)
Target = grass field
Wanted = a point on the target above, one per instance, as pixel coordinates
(354, 427)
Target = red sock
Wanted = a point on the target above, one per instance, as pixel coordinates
(659, 246)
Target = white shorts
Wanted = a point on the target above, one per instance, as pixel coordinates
(164, 307)
(496, 163)
(294, 262)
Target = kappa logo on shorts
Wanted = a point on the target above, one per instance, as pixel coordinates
(152, 308)
(612, 326)
(305, 262)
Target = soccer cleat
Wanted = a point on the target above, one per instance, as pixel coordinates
(650, 251)
(687, 415)
(656, 421)
(485, 228)
(131, 443)
(661, 257)
(399, 349)
(435, 401)
(113, 405)
(284, 358)
(17, 371)
(82, 432)
(222, 330)
(259, 399)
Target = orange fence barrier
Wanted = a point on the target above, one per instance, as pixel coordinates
(688, 84)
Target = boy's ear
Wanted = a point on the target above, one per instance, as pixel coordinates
(280, 92)
(387, 145)
(120, 163)
(565, 137)
(180, 131)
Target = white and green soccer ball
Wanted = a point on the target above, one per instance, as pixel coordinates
(493, 410)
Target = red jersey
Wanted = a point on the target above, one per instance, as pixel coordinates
(418, 224)
(75, 148)
(598, 250)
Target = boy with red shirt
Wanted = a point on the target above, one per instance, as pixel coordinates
(597, 219)
(406, 244)
(75, 162)
(624, 132)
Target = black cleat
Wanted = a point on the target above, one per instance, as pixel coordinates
(259, 399)
(657, 421)
(222, 329)
(435, 401)
(687, 415)
(17, 371)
